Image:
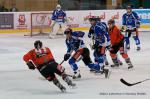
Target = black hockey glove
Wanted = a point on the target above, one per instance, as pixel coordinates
(122, 29)
(94, 46)
(138, 24)
(31, 65)
(66, 57)
(108, 47)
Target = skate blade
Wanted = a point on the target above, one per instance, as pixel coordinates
(63, 91)
(76, 79)
(73, 87)
(108, 75)
(130, 68)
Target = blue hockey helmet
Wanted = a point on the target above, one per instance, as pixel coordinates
(94, 19)
(128, 7)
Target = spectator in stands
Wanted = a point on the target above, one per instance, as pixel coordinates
(14, 8)
(118, 6)
(4, 9)
(1, 10)
(140, 7)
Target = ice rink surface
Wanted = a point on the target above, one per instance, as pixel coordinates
(17, 82)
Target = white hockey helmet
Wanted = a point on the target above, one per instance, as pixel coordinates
(58, 6)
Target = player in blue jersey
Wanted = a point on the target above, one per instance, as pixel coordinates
(92, 36)
(131, 23)
(58, 21)
(101, 40)
(74, 42)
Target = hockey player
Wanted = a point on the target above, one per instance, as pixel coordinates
(100, 32)
(117, 44)
(58, 21)
(74, 42)
(131, 23)
(92, 36)
(41, 58)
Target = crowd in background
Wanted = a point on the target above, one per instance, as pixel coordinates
(76, 6)
(4, 9)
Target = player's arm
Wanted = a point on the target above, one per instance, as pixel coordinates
(136, 16)
(137, 19)
(53, 15)
(65, 16)
(28, 59)
(123, 22)
(91, 32)
(69, 51)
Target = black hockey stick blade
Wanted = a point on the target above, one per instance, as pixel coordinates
(129, 84)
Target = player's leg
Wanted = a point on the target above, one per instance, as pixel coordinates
(52, 25)
(106, 60)
(113, 54)
(127, 38)
(120, 62)
(125, 56)
(87, 60)
(55, 30)
(101, 52)
(72, 62)
(62, 28)
(58, 84)
(61, 72)
(135, 34)
(48, 73)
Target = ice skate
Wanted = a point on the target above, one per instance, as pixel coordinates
(76, 75)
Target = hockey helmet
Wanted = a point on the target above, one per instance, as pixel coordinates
(68, 31)
(58, 6)
(38, 44)
(111, 21)
(128, 7)
(94, 19)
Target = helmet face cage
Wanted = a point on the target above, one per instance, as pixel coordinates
(38, 44)
(68, 31)
(58, 7)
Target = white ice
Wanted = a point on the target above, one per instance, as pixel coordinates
(17, 82)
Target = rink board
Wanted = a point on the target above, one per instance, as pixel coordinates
(20, 22)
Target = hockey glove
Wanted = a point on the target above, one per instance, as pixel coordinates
(94, 46)
(89, 35)
(108, 45)
(66, 57)
(138, 24)
(31, 65)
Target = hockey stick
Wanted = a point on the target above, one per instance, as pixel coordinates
(62, 62)
(129, 84)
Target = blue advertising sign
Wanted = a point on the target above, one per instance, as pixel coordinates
(144, 15)
(6, 21)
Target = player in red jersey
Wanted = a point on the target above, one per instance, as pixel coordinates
(41, 58)
(117, 44)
